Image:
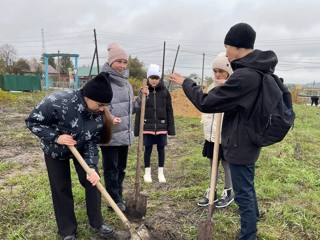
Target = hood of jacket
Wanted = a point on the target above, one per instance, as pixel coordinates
(264, 61)
(117, 78)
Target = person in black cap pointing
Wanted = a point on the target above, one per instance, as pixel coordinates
(236, 98)
(74, 118)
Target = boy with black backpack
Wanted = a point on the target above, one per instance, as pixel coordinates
(249, 122)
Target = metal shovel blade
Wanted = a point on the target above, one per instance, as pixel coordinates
(137, 208)
(205, 230)
(142, 233)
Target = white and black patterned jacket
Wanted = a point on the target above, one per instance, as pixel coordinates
(66, 113)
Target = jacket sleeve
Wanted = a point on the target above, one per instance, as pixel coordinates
(91, 153)
(233, 94)
(170, 117)
(41, 119)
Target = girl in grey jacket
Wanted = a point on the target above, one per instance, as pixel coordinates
(115, 154)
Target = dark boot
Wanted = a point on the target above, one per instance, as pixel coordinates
(122, 206)
(104, 231)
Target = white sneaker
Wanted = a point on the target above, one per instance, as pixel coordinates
(147, 175)
(161, 177)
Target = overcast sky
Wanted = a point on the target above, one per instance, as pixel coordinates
(290, 28)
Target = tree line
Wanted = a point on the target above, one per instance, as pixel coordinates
(11, 64)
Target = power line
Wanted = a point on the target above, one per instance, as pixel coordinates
(43, 43)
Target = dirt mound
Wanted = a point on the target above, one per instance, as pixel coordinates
(182, 105)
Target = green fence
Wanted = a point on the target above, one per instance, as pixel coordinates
(20, 82)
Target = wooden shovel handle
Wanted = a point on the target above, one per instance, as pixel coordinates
(140, 142)
(214, 168)
(100, 187)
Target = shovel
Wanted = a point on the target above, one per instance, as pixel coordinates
(205, 228)
(137, 202)
(141, 233)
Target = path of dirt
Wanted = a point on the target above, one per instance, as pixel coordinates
(19, 150)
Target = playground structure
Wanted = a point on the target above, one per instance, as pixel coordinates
(73, 81)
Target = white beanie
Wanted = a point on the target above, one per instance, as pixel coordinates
(222, 62)
(154, 70)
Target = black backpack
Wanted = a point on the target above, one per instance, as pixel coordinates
(272, 115)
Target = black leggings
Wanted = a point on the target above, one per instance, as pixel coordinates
(147, 155)
(114, 166)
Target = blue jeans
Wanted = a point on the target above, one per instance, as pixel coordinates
(245, 197)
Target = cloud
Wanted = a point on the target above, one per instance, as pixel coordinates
(290, 28)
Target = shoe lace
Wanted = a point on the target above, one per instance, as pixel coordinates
(224, 194)
(206, 194)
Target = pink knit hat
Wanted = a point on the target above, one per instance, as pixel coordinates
(116, 52)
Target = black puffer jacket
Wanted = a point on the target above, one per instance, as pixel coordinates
(66, 113)
(236, 99)
(158, 113)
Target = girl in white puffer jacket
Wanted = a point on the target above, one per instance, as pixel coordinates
(221, 72)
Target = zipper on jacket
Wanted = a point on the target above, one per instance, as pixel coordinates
(269, 121)
(155, 109)
(129, 117)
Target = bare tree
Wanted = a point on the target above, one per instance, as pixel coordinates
(2, 67)
(8, 54)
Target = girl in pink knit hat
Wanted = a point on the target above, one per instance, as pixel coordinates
(115, 154)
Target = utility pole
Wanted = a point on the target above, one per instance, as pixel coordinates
(96, 51)
(202, 76)
(43, 43)
(174, 65)
(163, 58)
(58, 67)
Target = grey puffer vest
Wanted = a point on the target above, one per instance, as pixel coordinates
(122, 106)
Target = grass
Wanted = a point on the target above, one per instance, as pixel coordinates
(287, 185)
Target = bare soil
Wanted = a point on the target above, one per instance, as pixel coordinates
(21, 149)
